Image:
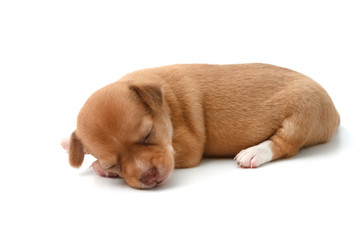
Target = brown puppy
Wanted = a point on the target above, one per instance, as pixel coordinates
(153, 120)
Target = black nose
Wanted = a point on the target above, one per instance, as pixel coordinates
(150, 177)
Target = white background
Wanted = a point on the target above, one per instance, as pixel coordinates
(54, 54)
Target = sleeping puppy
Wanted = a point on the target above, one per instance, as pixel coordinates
(154, 120)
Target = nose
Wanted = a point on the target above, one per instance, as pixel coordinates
(150, 177)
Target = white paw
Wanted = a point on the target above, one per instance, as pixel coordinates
(65, 143)
(255, 156)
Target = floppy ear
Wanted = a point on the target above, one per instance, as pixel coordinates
(76, 151)
(151, 95)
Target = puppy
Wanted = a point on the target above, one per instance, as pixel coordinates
(154, 120)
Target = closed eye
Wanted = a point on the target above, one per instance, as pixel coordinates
(148, 137)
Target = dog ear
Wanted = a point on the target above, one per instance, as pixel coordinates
(150, 94)
(76, 151)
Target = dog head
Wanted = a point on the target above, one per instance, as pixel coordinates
(127, 127)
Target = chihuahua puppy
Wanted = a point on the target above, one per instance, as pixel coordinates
(154, 120)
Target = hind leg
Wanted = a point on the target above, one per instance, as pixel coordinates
(255, 156)
(286, 142)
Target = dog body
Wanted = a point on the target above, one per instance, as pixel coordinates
(153, 120)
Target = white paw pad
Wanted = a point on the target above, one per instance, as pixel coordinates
(255, 156)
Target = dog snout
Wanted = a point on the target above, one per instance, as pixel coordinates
(151, 177)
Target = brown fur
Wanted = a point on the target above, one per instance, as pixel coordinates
(211, 110)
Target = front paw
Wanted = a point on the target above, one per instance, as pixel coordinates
(102, 172)
(65, 143)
